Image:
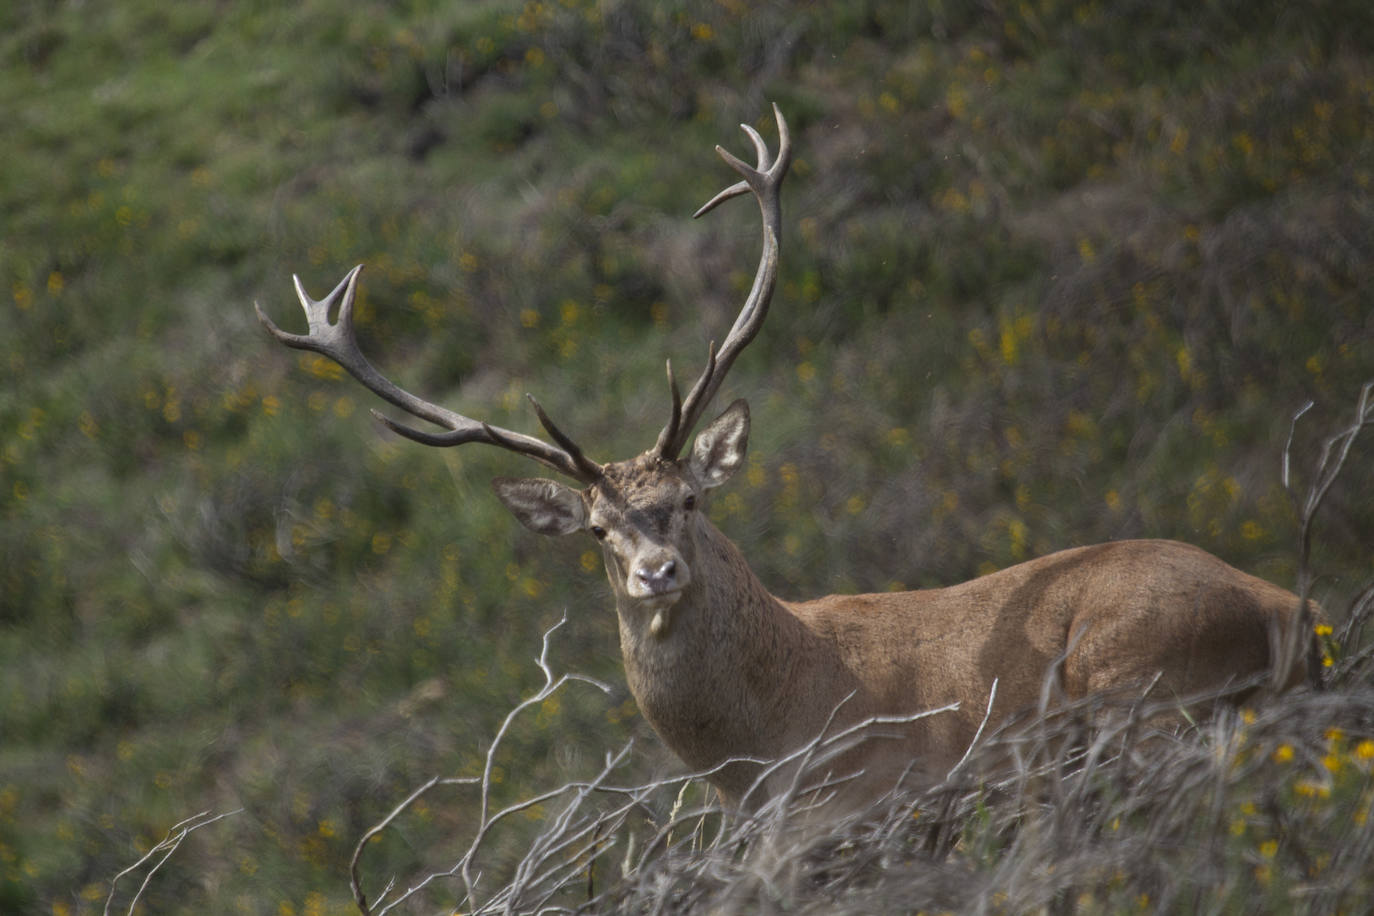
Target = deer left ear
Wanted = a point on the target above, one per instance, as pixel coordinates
(720, 448)
(543, 506)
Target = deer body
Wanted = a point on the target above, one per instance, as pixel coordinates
(1141, 607)
(724, 670)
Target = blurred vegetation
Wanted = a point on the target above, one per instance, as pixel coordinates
(1054, 272)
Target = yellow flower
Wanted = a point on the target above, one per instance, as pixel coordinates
(1309, 789)
(1283, 753)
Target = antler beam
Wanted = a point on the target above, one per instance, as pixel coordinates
(765, 182)
(337, 340)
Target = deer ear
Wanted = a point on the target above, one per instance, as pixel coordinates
(543, 506)
(720, 447)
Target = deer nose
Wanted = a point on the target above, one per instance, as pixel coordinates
(660, 579)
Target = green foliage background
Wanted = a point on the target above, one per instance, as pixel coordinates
(1053, 273)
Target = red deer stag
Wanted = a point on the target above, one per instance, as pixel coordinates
(724, 670)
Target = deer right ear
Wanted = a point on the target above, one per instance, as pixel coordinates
(543, 506)
(720, 447)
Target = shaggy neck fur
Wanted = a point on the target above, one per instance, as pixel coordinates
(717, 684)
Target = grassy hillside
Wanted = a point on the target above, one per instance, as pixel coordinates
(1053, 273)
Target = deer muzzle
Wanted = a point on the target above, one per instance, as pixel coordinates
(658, 577)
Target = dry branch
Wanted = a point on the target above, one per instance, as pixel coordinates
(167, 847)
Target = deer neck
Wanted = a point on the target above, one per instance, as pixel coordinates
(711, 675)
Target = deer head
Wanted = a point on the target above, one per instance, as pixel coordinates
(643, 511)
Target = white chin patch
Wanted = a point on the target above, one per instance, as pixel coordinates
(659, 610)
(658, 627)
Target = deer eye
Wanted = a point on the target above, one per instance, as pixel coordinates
(598, 532)
(690, 502)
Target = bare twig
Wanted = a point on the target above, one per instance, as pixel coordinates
(987, 714)
(463, 868)
(169, 845)
(355, 879)
(1288, 444)
(1335, 451)
(1330, 463)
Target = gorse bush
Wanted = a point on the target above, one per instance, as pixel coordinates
(1052, 273)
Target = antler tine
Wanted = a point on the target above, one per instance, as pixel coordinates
(764, 180)
(338, 341)
(675, 419)
(589, 470)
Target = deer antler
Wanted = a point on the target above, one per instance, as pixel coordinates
(765, 181)
(337, 340)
